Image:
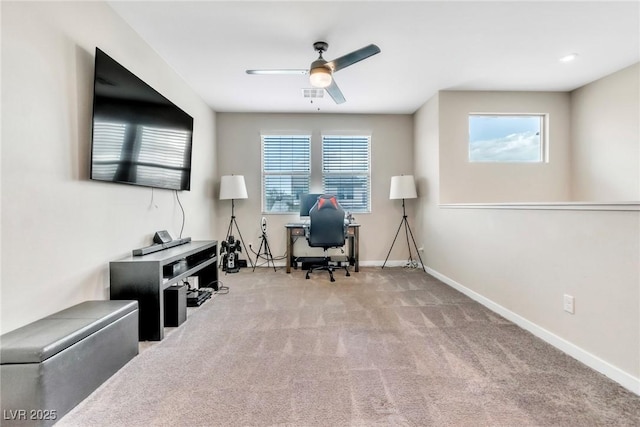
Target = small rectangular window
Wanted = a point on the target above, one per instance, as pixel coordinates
(286, 172)
(502, 138)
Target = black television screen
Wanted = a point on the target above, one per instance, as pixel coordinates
(306, 203)
(139, 137)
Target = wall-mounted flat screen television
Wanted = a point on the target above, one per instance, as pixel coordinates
(139, 137)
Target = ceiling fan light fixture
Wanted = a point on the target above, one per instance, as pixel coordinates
(321, 72)
(320, 77)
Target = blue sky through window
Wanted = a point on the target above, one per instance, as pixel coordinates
(505, 138)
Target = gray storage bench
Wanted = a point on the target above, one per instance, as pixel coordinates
(49, 366)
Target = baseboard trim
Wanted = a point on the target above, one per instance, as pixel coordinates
(389, 263)
(616, 374)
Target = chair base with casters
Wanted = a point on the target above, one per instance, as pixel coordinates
(326, 266)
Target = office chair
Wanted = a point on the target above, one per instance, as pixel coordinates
(327, 229)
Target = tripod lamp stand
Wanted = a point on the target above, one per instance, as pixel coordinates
(404, 187)
(233, 187)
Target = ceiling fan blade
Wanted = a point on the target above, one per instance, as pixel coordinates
(353, 57)
(284, 71)
(335, 92)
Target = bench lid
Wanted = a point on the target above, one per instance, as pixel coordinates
(37, 341)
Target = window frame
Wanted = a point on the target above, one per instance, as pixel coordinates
(351, 173)
(287, 172)
(543, 149)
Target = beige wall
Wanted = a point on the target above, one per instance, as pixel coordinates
(427, 174)
(465, 182)
(605, 117)
(593, 145)
(60, 230)
(391, 154)
(520, 262)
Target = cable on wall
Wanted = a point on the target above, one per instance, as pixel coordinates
(152, 202)
(183, 216)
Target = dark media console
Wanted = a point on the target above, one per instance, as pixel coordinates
(144, 278)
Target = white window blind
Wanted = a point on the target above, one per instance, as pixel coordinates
(286, 171)
(346, 170)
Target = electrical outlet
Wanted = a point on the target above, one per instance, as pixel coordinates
(569, 304)
(421, 248)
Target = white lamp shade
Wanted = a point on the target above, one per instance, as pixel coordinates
(403, 187)
(233, 187)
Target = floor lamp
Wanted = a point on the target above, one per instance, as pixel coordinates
(233, 187)
(404, 187)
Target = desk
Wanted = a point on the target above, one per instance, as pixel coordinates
(295, 230)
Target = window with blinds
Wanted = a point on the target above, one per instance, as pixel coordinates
(346, 170)
(286, 171)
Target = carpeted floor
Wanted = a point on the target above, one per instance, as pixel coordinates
(392, 347)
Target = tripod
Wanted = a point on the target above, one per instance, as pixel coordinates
(407, 232)
(267, 250)
(231, 223)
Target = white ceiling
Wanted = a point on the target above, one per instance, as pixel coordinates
(426, 46)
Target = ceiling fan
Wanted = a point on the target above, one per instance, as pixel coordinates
(321, 71)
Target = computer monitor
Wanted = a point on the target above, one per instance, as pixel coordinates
(306, 203)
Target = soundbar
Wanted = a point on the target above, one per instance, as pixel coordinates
(160, 247)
